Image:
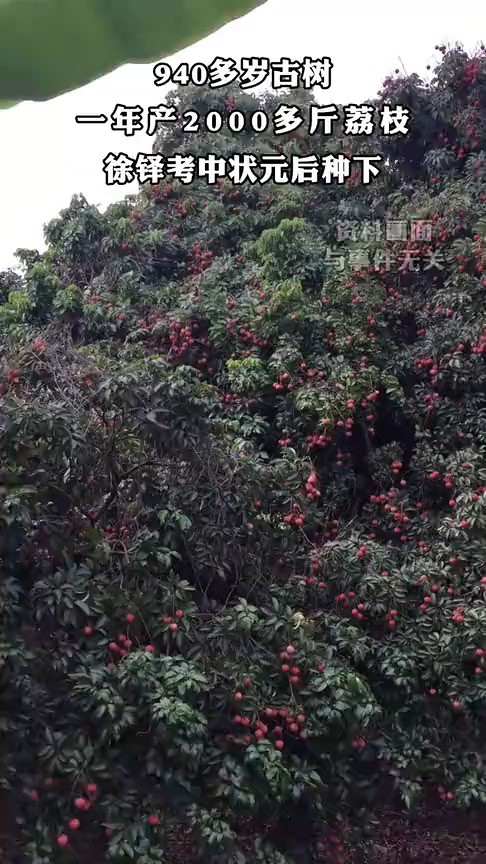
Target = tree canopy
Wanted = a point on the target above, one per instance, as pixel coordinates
(242, 500)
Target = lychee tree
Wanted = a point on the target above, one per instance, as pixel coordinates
(243, 501)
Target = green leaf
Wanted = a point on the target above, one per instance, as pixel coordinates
(83, 606)
(48, 47)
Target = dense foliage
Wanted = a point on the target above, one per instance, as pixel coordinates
(242, 500)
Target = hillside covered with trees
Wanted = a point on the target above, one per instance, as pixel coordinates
(242, 498)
